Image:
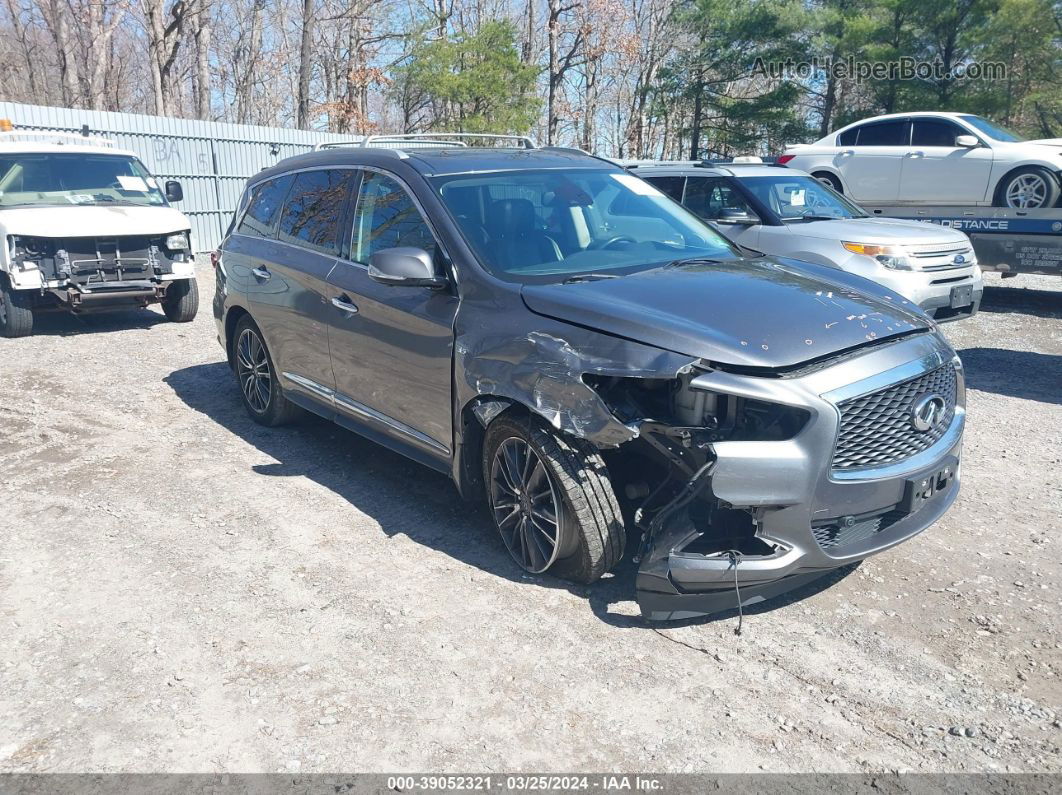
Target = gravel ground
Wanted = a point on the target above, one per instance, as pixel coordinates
(185, 591)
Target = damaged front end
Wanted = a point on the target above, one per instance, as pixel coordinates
(738, 486)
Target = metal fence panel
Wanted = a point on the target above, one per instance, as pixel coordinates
(212, 160)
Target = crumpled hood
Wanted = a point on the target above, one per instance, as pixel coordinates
(91, 221)
(767, 312)
(886, 231)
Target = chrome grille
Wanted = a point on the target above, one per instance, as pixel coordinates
(876, 429)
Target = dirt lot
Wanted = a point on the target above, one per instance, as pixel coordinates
(185, 591)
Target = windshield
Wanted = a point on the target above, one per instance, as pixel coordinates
(61, 178)
(991, 130)
(551, 225)
(801, 198)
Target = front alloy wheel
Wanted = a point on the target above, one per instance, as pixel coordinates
(1030, 189)
(525, 505)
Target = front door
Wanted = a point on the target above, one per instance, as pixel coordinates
(936, 170)
(392, 347)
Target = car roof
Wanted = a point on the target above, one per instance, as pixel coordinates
(439, 161)
(731, 170)
(917, 113)
(26, 147)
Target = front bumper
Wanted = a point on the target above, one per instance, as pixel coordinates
(810, 519)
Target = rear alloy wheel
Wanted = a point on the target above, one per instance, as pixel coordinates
(829, 180)
(551, 499)
(1029, 189)
(16, 313)
(261, 393)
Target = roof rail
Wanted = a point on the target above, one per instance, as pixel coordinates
(424, 140)
(65, 138)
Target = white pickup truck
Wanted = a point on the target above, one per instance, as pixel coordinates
(86, 226)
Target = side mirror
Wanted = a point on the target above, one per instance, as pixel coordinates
(968, 141)
(174, 191)
(732, 215)
(405, 267)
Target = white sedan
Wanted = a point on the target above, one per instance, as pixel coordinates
(934, 158)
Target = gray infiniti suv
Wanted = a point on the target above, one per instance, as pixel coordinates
(589, 359)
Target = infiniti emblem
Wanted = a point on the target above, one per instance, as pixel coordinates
(927, 412)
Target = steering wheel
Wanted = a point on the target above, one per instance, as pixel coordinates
(613, 240)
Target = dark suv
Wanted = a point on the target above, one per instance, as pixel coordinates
(586, 356)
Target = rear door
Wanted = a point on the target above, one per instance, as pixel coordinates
(392, 347)
(936, 170)
(870, 169)
(252, 245)
(291, 305)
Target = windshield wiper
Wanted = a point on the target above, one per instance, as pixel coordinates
(678, 263)
(817, 218)
(589, 277)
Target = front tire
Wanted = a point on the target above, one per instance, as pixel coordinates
(16, 313)
(1028, 189)
(259, 387)
(181, 301)
(551, 500)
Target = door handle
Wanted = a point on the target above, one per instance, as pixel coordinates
(916, 154)
(262, 273)
(848, 151)
(343, 304)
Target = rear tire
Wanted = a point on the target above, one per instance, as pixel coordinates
(181, 301)
(1028, 188)
(259, 386)
(826, 178)
(16, 313)
(572, 477)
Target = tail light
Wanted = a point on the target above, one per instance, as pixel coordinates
(785, 159)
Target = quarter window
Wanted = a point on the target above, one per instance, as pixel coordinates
(386, 217)
(261, 216)
(848, 137)
(314, 209)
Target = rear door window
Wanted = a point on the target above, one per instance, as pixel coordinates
(314, 210)
(885, 133)
(672, 186)
(261, 216)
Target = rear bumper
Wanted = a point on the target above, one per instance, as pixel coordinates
(809, 519)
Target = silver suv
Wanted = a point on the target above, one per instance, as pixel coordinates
(788, 213)
(587, 359)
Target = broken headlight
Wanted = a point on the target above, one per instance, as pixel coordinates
(733, 418)
(178, 241)
(30, 247)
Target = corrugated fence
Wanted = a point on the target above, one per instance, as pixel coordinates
(211, 159)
